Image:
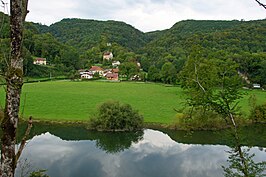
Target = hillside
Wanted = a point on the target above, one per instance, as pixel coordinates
(77, 43)
(85, 34)
(190, 30)
(242, 41)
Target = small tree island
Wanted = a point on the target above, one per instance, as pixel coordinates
(114, 116)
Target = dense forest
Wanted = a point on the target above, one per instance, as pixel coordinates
(72, 44)
(243, 42)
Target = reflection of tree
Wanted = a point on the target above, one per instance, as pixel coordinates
(241, 162)
(114, 142)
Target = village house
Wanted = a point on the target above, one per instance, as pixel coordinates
(85, 74)
(97, 69)
(112, 76)
(39, 61)
(116, 63)
(106, 71)
(108, 56)
(115, 70)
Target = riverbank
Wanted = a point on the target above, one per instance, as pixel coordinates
(155, 126)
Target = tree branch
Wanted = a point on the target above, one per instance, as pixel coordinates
(24, 139)
(197, 79)
(25, 10)
(261, 4)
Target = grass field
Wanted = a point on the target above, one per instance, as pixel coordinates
(77, 101)
(66, 100)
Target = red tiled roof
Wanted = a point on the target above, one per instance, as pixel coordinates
(112, 75)
(115, 70)
(40, 59)
(107, 53)
(96, 68)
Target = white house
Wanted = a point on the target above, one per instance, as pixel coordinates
(108, 56)
(86, 76)
(116, 63)
(39, 61)
(256, 86)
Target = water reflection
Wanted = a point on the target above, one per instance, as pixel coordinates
(241, 160)
(114, 142)
(149, 153)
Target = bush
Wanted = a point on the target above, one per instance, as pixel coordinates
(200, 120)
(259, 114)
(113, 116)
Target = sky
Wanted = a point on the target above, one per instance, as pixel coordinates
(145, 15)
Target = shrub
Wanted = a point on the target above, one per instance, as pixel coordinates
(200, 120)
(115, 116)
(258, 114)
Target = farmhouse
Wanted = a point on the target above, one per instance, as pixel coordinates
(86, 76)
(108, 56)
(112, 76)
(115, 70)
(116, 63)
(39, 61)
(97, 69)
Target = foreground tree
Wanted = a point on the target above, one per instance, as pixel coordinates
(213, 84)
(14, 81)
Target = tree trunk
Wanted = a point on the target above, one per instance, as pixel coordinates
(14, 81)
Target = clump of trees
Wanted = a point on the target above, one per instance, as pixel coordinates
(114, 116)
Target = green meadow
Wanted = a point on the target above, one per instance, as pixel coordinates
(78, 101)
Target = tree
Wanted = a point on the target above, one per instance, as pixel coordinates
(128, 69)
(113, 115)
(70, 58)
(168, 73)
(14, 82)
(154, 74)
(212, 84)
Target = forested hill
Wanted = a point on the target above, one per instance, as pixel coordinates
(231, 36)
(85, 34)
(77, 43)
(241, 41)
(189, 29)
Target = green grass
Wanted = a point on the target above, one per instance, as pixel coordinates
(66, 100)
(244, 102)
(77, 101)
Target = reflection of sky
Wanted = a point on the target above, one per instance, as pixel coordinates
(156, 155)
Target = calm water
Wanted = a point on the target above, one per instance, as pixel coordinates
(75, 152)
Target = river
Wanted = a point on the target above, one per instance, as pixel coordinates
(73, 151)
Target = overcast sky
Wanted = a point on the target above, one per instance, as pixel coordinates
(145, 15)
